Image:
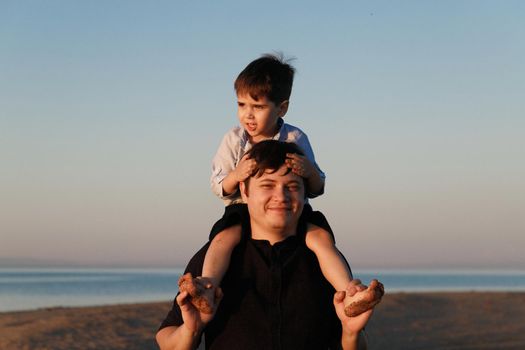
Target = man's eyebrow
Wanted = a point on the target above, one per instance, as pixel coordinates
(294, 182)
(267, 180)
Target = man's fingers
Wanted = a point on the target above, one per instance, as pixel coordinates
(353, 287)
(182, 298)
(339, 297)
(373, 284)
(218, 294)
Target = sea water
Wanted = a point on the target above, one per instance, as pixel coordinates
(447, 280)
(27, 289)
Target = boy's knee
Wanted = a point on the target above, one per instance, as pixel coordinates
(230, 234)
(318, 236)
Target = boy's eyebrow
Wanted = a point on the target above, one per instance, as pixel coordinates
(254, 104)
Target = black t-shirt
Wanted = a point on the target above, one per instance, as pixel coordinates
(275, 297)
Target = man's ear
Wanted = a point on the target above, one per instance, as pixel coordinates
(244, 191)
(283, 108)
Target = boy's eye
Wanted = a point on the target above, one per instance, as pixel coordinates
(240, 104)
(258, 107)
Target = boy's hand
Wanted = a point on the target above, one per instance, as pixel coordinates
(245, 168)
(300, 165)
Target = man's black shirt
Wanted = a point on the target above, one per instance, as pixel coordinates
(275, 297)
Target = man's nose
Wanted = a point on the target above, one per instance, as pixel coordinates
(281, 193)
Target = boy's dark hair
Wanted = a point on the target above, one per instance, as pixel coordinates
(271, 155)
(271, 75)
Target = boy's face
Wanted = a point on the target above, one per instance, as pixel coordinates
(259, 117)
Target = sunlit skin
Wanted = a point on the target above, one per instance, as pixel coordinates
(259, 117)
(275, 201)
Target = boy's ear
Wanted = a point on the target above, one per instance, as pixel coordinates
(283, 108)
(244, 191)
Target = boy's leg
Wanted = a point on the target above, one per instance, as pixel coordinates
(333, 265)
(216, 263)
(217, 259)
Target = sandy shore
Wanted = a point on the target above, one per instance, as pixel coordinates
(401, 321)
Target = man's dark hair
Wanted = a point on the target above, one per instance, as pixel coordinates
(271, 155)
(271, 76)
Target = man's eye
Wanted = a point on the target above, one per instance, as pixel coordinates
(293, 188)
(266, 186)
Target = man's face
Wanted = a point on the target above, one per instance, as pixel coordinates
(275, 202)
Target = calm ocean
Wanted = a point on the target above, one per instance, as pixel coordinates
(26, 289)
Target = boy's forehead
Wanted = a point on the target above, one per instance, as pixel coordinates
(249, 97)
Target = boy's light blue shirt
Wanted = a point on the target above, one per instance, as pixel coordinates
(236, 143)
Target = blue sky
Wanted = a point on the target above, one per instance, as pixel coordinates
(110, 113)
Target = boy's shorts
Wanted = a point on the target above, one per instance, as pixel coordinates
(238, 214)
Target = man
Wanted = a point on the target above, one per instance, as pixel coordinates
(275, 295)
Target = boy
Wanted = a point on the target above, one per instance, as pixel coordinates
(263, 90)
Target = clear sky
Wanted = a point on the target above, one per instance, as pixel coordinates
(111, 111)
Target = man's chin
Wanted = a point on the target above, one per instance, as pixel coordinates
(279, 222)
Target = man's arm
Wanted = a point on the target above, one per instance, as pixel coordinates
(187, 335)
(352, 337)
(177, 338)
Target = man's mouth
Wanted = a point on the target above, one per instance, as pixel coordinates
(279, 208)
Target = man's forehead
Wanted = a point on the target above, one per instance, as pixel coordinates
(281, 174)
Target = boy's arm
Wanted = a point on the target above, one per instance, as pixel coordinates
(224, 162)
(302, 166)
(244, 169)
(316, 180)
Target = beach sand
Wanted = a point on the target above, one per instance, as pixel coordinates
(402, 321)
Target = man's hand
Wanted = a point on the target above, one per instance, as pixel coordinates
(300, 165)
(245, 168)
(195, 320)
(351, 325)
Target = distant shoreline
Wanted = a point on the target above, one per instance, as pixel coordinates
(467, 320)
(31, 289)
